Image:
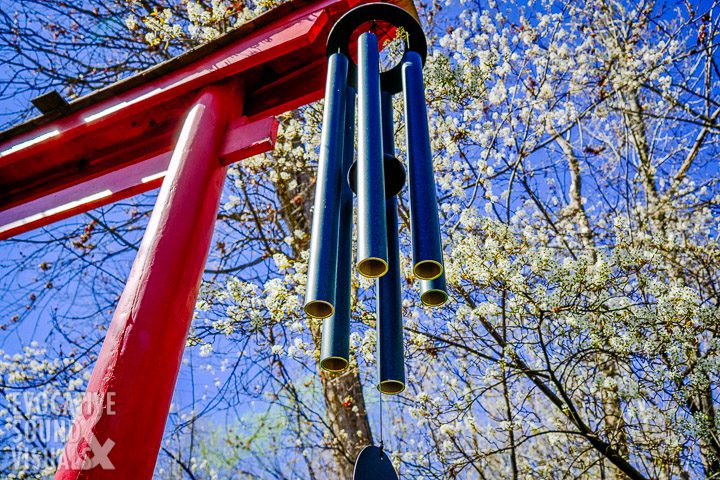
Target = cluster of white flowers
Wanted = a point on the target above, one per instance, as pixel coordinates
(195, 21)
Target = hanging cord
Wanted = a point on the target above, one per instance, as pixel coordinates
(382, 444)
(373, 29)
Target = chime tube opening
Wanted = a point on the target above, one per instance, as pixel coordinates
(372, 267)
(424, 226)
(389, 325)
(434, 298)
(370, 184)
(334, 364)
(319, 308)
(391, 387)
(322, 266)
(433, 293)
(427, 269)
(335, 347)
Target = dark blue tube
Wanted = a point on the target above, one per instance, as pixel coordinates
(322, 267)
(427, 246)
(372, 231)
(390, 355)
(335, 349)
(433, 293)
(388, 129)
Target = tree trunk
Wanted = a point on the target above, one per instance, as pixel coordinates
(701, 404)
(347, 416)
(703, 410)
(612, 406)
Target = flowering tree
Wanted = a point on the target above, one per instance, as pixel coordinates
(576, 148)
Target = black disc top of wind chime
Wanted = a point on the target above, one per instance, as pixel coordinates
(374, 464)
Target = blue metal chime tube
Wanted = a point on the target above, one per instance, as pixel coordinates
(388, 130)
(433, 293)
(372, 231)
(335, 349)
(390, 355)
(322, 268)
(389, 325)
(427, 246)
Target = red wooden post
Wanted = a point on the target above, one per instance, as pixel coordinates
(118, 432)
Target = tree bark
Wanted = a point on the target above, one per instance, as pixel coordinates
(636, 124)
(347, 416)
(700, 404)
(612, 406)
(703, 410)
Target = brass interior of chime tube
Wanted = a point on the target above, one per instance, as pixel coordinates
(434, 298)
(334, 364)
(427, 269)
(372, 267)
(319, 309)
(391, 387)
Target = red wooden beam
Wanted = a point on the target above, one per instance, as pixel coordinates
(242, 140)
(137, 124)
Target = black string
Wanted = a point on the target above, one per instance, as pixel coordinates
(382, 444)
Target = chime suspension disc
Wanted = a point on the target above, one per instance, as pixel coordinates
(394, 174)
(373, 463)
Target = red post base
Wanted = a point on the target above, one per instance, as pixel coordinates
(118, 432)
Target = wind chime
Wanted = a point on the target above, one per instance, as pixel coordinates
(376, 178)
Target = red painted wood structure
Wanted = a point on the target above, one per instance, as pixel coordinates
(176, 126)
